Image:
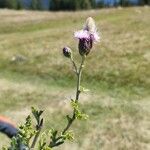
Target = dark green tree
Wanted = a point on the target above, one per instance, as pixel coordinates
(93, 3)
(39, 5)
(144, 2)
(2, 3)
(36, 5)
(125, 2)
(13, 4)
(19, 4)
(71, 4)
(55, 4)
(85, 4)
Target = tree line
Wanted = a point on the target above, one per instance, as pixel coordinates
(65, 4)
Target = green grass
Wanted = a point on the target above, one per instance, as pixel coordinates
(117, 72)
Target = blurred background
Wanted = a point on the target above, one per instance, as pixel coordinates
(34, 72)
(68, 4)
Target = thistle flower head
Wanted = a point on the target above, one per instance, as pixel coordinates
(89, 31)
(87, 36)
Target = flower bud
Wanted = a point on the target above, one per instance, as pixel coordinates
(67, 52)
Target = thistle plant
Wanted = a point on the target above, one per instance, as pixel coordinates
(31, 136)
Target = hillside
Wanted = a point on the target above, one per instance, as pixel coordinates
(33, 72)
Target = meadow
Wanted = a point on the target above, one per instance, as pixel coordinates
(33, 72)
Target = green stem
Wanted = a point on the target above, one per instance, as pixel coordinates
(35, 138)
(74, 65)
(79, 79)
(79, 74)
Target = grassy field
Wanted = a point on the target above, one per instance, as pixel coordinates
(33, 72)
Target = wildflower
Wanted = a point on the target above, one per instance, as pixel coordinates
(67, 52)
(87, 36)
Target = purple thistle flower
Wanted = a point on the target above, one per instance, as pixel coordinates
(87, 36)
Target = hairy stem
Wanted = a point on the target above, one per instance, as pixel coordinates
(77, 94)
(74, 65)
(79, 79)
(71, 120)
(35, 138)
